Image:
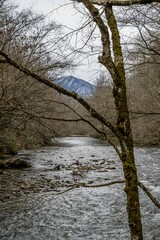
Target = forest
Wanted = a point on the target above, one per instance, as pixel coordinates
(29, 110)
(124, 111)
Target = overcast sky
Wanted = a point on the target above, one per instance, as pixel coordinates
(65, 15)
(63, 12)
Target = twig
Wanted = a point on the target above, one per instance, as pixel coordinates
(153, 199)
(141, 185)
(78, 185)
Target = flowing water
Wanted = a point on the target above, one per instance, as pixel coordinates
(43, 202)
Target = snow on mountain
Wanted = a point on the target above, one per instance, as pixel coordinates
(77, 85)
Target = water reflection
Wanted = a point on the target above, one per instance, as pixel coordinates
(78, 141)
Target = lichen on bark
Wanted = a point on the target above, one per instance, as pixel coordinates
(116, 69)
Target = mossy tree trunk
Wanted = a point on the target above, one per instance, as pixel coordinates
(115, 66)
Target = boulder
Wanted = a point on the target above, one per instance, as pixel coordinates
(14, 163)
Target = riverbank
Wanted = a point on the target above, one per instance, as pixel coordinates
(41, 170)
(50, 173)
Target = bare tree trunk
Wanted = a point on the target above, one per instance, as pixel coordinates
(123, 125)
(122, 130)
(131, 189)
(115, 66)
(122, 2)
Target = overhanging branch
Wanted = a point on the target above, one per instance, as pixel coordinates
(121, 2)
(153, 199)
(85, 185)
(59, 89)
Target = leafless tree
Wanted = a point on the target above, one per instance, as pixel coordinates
(27, 108)
(112, 59)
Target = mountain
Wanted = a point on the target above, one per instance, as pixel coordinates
(73, 84)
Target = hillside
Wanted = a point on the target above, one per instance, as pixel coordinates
(73, 84)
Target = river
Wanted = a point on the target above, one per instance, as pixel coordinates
(43, 202)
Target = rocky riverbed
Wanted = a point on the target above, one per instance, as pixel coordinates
(45, 202)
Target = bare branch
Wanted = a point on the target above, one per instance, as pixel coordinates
(59, 89)
(79, 185)
(153, 199)
(97, 130)
(120, 2)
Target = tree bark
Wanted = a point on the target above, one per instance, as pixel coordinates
(123, 125)
(116, 69)
(120, 2)
(122, 131)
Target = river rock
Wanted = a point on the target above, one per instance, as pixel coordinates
(15, 163)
